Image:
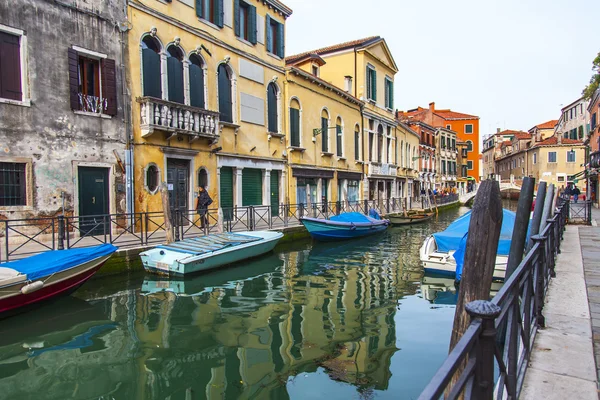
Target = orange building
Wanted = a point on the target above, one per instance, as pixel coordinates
(466, 127)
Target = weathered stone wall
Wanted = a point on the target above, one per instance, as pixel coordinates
(48, 132)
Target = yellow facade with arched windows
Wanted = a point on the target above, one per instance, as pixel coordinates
(207, 101)
(325, 142)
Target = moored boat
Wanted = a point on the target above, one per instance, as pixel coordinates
(440, 251)
(344, 226)
(207, 252)
(409, 219)
(47, 275)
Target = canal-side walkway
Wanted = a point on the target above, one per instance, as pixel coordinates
(562, 364)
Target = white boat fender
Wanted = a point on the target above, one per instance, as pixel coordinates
(32, 287)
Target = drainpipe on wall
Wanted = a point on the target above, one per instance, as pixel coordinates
(362, 123)
(129, 165)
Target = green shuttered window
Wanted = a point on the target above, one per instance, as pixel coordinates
(389, 94)
(371, 84)
(295, 127)
(274, 193)
(244, 20)
(273, 125)
(196, 82)
(151, 68)
(324, 133)
(338, 131)
(251, 187)
(210, 10)
(275, 37)
(357, 144)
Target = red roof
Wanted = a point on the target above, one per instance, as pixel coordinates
(510, 132)
(522, 135)
(450, 115)
(548, 125)
(335, 47)
(553, 141)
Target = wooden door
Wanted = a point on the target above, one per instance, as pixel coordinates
(178, 185)
(93, 200)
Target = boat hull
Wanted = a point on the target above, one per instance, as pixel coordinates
(328, 231)
(399, 219)
(443, 264)
(13, 300)
(186, 265)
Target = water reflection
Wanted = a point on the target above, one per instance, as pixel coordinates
(352, 313)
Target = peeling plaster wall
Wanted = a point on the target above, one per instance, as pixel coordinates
(49, 133)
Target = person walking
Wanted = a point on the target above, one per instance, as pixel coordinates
(576, 193)
(202, 204)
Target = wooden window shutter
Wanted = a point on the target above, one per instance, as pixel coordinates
(324, 132)
(252, 25)
(356, 145)
(269, 38)
(280, 41)
(175, 79)
(338, 139)
(295, 126)
(219, 13)
(236, 18)
(200, 8)
(374, 84)
(73, 79)
(391, 94)
(10, 67)
(109, 85)
(151, 71)
(387, 93)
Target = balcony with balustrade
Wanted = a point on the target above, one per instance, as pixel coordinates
(177, 119)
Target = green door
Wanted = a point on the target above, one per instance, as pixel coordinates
(226, 192)
(274, 193)
(251, 187)
(93, 200)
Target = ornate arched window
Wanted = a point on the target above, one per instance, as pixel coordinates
(324, 131)
(295, 113)
(197, 85)
(224, 76)
(151, 67)
(175, 74)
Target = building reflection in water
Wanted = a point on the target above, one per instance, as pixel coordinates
(237, 333)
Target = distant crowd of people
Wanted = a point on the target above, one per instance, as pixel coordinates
(571, 190)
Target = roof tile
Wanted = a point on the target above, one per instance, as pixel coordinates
(332, 48)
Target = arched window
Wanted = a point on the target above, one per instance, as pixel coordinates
(324, 131)
(175, 73)
(225, 100)
(196, 71)
(357, 142)
(272, 109)
(339, 137)
(295, 123)
(151, 67)
(402, 153)
(469, 145)
(202, 177)
(379, 143)
(152, 178)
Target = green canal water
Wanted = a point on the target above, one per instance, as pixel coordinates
(338, 321)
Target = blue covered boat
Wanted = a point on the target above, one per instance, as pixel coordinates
(443, 252)
(47, 275)
(344, 226)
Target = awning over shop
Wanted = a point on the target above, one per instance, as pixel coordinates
(312, 173)
(353, 176)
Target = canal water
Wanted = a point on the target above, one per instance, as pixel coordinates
(338, 321)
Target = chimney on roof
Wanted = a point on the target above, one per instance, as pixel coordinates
(559, 138)
(432, 106)
(498, 130)
(348, 80)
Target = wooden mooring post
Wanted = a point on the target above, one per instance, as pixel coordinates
(480, 258)
(164, 195)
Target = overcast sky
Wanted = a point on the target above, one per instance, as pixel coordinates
(513, 63)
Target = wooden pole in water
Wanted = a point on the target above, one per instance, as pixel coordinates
(519, 236)
(480, 257)
(548, 202)
(164, 195)
(537, 212)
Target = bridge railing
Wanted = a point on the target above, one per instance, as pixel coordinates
(496, 347)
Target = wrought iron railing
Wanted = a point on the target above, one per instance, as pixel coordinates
(496, 347)
(23, 237)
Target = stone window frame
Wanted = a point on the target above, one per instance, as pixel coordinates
(28, 183)
(24, 66)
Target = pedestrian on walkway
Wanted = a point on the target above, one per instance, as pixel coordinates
(202, 204)
(576, 193)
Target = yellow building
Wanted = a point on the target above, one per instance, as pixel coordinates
(365, 69)
(408, 165)
(555, 160)
(324, 146)
(206, 81)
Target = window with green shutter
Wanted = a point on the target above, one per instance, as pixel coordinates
(226, 192)
(151, 67)
(211, 11)
(324, 134)
(389, 93)
(273, 125)
(175, 74)
(275, 37)
(295, 127)
(357, 143)
(244, 20)
(371, 83)
(338, 134)
(196, 72)
(274, 193)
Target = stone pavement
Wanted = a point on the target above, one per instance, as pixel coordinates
(562, 364)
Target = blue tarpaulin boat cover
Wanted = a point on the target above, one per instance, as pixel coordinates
(351, 217)
(53, 261)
